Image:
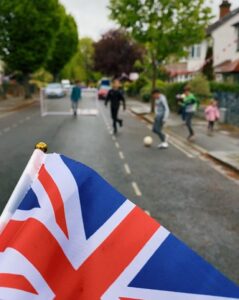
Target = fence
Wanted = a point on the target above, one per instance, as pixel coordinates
(230, 101)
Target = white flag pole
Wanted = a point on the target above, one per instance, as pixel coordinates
(23, 184)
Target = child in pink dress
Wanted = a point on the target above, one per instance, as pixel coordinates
(212, 115)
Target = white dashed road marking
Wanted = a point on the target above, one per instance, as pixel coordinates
(147, 212)
(136, 189)
(127, 169)
(121, 155)
(117, 145)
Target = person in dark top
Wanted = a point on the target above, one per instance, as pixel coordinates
(115, 97)
(75, 97)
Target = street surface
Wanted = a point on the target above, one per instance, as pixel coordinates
(181, 190)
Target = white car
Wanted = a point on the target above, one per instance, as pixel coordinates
(55, 90)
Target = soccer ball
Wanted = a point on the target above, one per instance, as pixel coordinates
(148, 141)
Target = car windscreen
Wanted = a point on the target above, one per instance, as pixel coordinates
(105, 82)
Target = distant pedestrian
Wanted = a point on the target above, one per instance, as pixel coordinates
(115, 97)
(212, 114)
(161, 115)
(76, 97)
(190, 105)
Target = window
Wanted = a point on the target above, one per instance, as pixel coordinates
(236, 26)
(195, 52)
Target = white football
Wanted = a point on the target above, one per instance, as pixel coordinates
(148, 141)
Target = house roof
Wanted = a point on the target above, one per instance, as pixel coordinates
(222, 21)
(177, 69)
(228, 67)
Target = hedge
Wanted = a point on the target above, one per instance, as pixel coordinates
(169, 89)
(224, 87)
(172, 90)
(145, 92)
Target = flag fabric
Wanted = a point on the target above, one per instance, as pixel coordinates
(74, 237)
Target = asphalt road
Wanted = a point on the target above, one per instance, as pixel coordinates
(183, 192)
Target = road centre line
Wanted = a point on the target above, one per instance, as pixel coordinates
(121, 155)
(117, 145)
(136, 189)
(127, 169)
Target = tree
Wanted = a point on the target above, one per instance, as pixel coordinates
(82, 63)
(27, 34)
(66, 44)
(208, 70)
(116, 53)
(165, 27)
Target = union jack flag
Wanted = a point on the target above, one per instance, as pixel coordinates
(74, 237)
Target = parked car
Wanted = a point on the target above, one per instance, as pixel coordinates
(55, 90)
(104, 88)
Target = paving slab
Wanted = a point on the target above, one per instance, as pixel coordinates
(229, 158)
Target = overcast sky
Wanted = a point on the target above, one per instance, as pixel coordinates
(92, 15)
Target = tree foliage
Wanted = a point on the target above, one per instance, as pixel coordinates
(208, 70)
(65, 45)
(116, 53)
(27, 33)
(81, 65)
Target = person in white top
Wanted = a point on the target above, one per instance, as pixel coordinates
(162, 113)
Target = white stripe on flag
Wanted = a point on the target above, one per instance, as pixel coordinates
(8, 261)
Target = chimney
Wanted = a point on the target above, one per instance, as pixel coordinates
(225, 8)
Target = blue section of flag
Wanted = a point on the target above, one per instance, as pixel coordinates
(29, 202)
(176, 268)
(99, 201)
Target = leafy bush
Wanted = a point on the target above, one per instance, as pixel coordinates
(145, 92)
(41, 78)
(224, 87)
(133, 89)
(200, 86)
(173, 89)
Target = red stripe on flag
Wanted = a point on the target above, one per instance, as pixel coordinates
(16, 282)
(55, 198)
(98, 272)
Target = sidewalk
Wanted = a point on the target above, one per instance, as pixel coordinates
(222, 146)
(13, 104)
